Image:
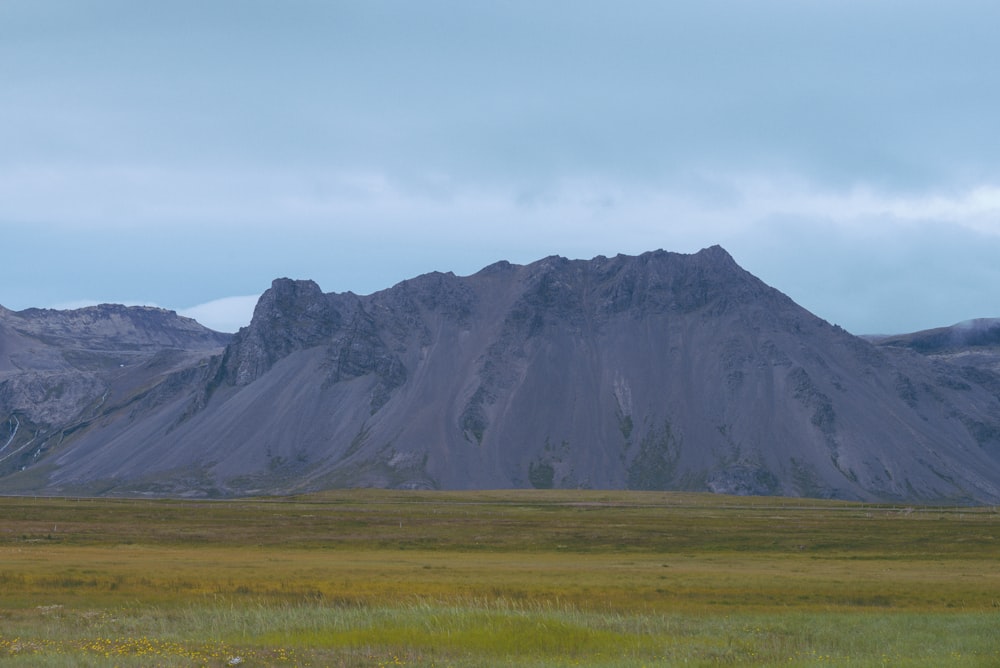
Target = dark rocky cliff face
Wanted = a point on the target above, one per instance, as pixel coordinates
(290, 316)
(661, 371)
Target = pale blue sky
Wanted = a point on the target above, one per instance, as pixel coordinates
(178, 153)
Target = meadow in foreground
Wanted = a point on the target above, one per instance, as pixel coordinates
(551, 578)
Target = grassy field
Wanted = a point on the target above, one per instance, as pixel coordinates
(537, 578)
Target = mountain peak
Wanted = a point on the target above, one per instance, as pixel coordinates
(716, 254)
(286, 290)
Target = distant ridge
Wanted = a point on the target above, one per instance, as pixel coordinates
(978, 333)
(659, 371)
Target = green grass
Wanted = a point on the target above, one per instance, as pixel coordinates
(545, 578)
(490, 634)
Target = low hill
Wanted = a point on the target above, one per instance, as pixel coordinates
(974, 343)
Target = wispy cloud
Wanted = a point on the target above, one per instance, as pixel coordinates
(223, 315)
(241, 199)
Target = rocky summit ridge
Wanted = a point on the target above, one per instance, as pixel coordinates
(660, 371)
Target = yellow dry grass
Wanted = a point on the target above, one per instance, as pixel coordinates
(369, 577)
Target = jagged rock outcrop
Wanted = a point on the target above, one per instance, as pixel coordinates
(660, 371)
(292, 315)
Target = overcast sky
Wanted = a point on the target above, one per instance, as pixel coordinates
(184, 154)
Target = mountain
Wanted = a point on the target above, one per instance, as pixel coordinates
(62, 370)
(659, 371)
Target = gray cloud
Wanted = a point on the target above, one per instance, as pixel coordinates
(165, 147)
(894, 94)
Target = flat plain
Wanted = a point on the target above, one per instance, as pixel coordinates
(540, 578)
